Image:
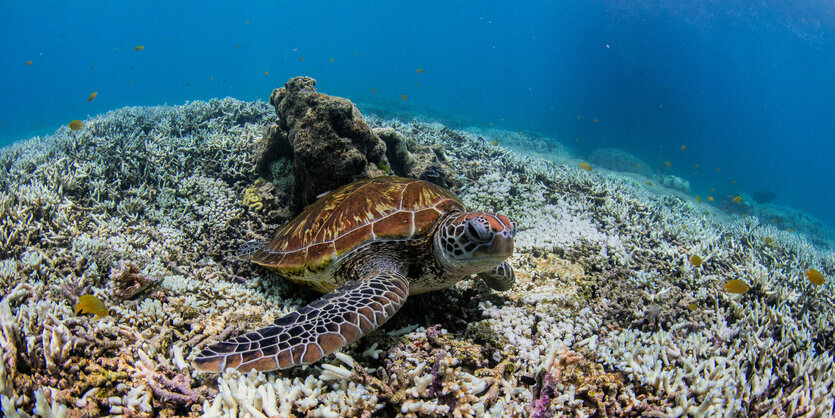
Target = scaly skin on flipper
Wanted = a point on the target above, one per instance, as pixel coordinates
(500, 278)
(314, 331)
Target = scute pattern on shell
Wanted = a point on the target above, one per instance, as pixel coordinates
(382, 208)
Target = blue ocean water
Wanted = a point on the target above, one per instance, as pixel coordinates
(748, 88)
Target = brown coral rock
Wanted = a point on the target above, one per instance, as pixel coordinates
(409, 159)
(326, 138)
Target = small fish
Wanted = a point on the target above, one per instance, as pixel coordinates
(695, 260)
(301, 59)
(490, 123)
(237, 45)
(266, 73)
(595, 120)
(718, 170)
(692, 307)
(495, 143)
(815, 277)
(695, 166)
(579, 117)
(649, 183)
(789, 230)
(92, 96)
(373, 90)
(736, 286)
(89, 304)
(247, 22)
(638, 165)
(737, 199)
(28, 62)
(698, 199)
(668, 164)
(420, 70)
(249, 247)
(713, 189)
(404, 97)
(683, 147)
(139, 47)
(585, 166)
(331, 59)
(768, 241)
(696, 173)
(76, 125)
(710, 198)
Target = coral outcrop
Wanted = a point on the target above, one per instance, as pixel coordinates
(409, 159)
(326, 138)
(619, 160)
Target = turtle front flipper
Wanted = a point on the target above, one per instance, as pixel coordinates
(500, 278)
(314, 331)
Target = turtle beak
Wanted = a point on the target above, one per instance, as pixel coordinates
(502, 246)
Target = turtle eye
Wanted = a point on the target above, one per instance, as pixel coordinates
(477, 232)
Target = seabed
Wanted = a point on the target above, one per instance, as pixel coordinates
(146, 208)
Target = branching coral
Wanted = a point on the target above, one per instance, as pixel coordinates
(128, 280)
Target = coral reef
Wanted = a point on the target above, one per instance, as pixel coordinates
(408, 159)
(608, 316)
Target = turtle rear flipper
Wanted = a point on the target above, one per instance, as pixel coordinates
(314, 331)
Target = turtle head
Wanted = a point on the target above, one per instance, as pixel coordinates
(473, 242)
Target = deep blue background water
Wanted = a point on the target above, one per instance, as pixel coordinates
(748, 87)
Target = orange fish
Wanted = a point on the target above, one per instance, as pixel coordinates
(737, 199)
(373, 90)
(92, 96)
(595, 120)
(710, 198)
(585, 166)
(404, 97)
(29, 62)
(815, 277)
(331, 59)
(420, 70)
(683, 147)
(247, 22)
(139, 47)
(695, 260)
(76, 125)
(237, 45)
(266, 73)
(301, 59)
(668, 164)
(495, 143)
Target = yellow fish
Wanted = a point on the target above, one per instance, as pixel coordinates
(815, 277)
(92, 96)
(695, 260)
(595, 120)
(683, 147)
(420, 70)
(404, 97)
(698, 199)
(736, 286)
(710, 198)
(139, 47)
(668, 164)
(649, 183)
(29, 62)
(373, 90)
(768, 240)
(585, 166)
(76, 125)
(89, 304)
(738, 199)
(495, 143)
(266, 73)
(331, 59)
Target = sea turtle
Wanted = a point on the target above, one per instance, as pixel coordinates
(368, 245)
